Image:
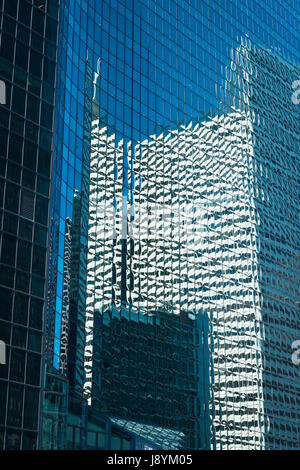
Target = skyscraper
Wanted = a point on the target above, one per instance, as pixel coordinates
(172, 295)
(28, 56)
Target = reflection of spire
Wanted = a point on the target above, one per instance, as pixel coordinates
(96, 86)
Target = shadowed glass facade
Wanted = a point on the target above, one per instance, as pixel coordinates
(173, 257)
(28, 41)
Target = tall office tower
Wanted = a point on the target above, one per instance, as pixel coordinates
(27, 72)
(173, 274)
(162, 226)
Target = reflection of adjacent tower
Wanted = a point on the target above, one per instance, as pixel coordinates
(72, 326)
(228, 275)
(260, 84)
(191, 248)
(251, 283)
(213, 166)
(138, 284)
(77, 301)
(200, 219)
(212, 256)
(156, 371)
(101, 242)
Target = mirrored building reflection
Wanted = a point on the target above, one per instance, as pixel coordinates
(154, 306)
(175, 254)
(166, 260)
(261, 81)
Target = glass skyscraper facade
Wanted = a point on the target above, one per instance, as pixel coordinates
(161, 268)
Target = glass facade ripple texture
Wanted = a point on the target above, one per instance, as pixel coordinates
(173, 297)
